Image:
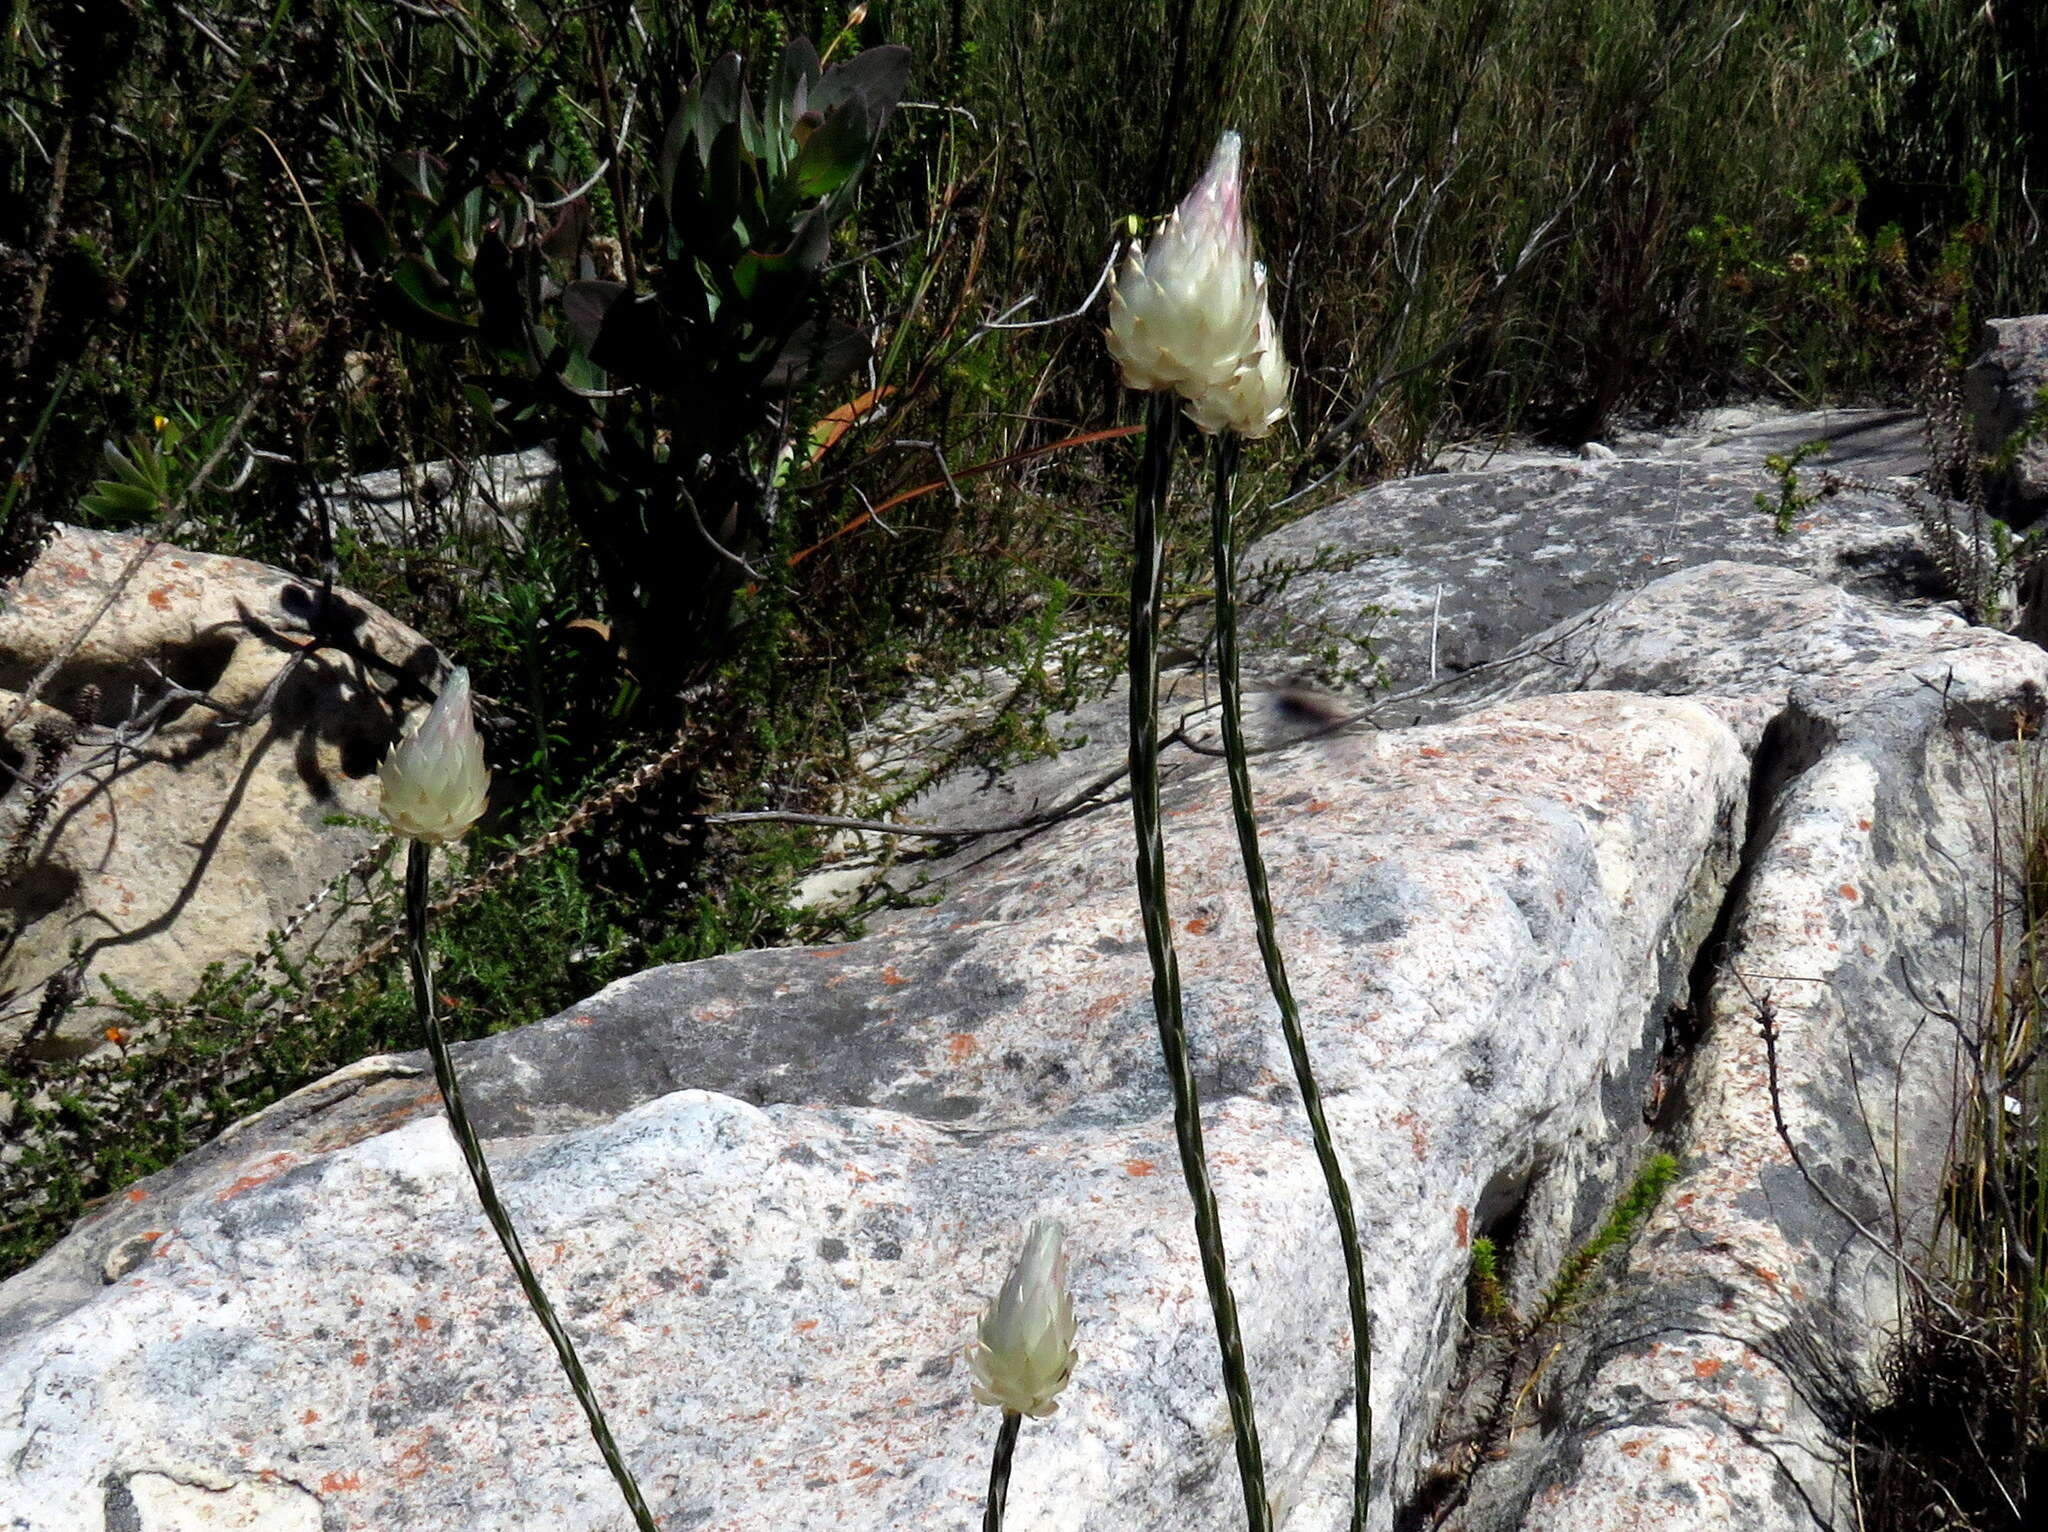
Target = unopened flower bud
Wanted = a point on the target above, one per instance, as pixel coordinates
(1185, 312)
(1254, 401)
(434, 780)
(1026, 1351)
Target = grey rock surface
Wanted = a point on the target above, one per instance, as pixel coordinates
(1455, 570)
(773, 1189)
(1756, 1315)
(492, 499)
(1445, 574)
(155, 833)
(2002, 391)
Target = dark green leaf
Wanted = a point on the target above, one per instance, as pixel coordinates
(878, 76)
(818, 357)
(835, 153)
(367, 235)
(795, 75)
(585, 304)
(420, 302)
(716, 103)
(774, 278)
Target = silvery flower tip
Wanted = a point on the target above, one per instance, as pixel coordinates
(1025, 1353)
(1185, 310)
(1254, 401)
(434, 780)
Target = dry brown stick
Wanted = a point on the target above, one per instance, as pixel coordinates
(1766, 1012)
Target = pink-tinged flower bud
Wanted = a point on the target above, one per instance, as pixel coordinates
(1026, 1351)
(1185, 312)
(434, 780)
(1255, 401)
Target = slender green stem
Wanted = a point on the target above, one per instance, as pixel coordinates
(999, 1472)
(1223, 454)
(1148, 577)
(417, 857)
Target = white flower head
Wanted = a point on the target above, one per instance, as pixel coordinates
(1255, 401)
(434, 780)
(1025, 1353)
(1185, 311)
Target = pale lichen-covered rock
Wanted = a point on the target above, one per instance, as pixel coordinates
(1448, 571)
(773, 1190)
(177, 834)
(1753, 1321)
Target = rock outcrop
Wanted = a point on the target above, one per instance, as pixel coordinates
(771, 1190)
(167, 788)
(2003, 390)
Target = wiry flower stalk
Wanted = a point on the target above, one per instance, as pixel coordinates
(434, 788)
(1223, 455)
(1147, 590)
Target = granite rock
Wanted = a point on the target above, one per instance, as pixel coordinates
(2002, 391)
(1441, 574)
(1453, 570)
(1755, 1317)
(167, 792)
(490, 500)
(771, 1190)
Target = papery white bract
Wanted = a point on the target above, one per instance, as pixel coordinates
(1025, 1353)
(1255, 401)
(434, 780)
(1185, 311)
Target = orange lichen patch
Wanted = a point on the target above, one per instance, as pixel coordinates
(1634, 1445)
(891, 977)
(1320, 805)
(1706, 1367)
(1433, 752)
(1099, 1008)
(360, 1359)
(335, 1483)
(960, 1045)
(1139, 1167)
(1197, 927)
(136, 1193)
(1418, 1137)
(1464, 1227)
(412, 1462)
(582, 1021)
(309, 1418)
(805, 1326)
(1862, 824)
(270, 1169)
(423, 1322)
(160, 598)
(1849, 891)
